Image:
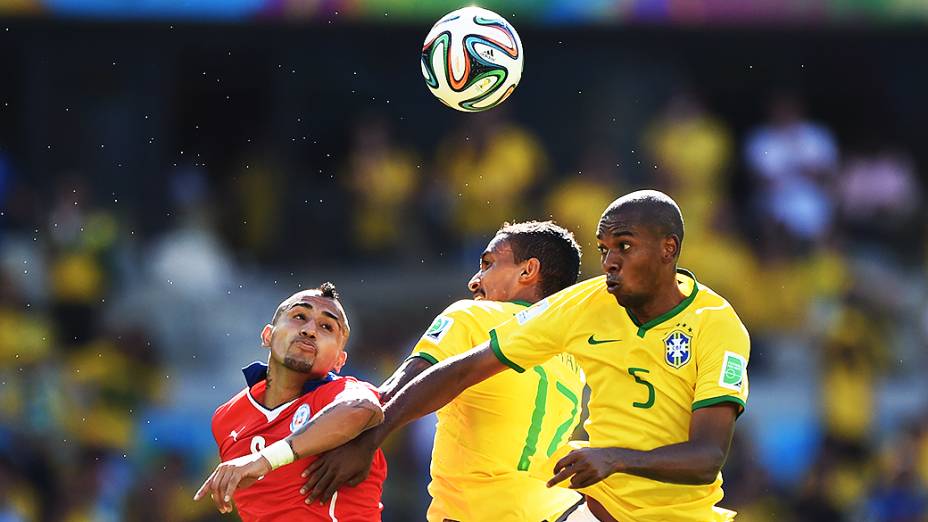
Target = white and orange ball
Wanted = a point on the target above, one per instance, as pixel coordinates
(472, 59)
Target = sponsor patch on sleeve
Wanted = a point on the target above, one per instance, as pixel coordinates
(733, 368)
(439, 328)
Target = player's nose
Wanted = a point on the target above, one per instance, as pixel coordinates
(308, 329)
(612, 262)
(474, 284)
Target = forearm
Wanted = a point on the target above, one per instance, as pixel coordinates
(435, 388)
(333, 426)
(408, 371)
(685, 463)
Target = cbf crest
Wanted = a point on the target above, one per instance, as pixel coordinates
(299, 418)
(677, 348)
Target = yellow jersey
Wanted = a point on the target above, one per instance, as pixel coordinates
(645, 381)
(491, 435)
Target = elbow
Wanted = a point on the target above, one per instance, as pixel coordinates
(710, 471)
(704, 478)
(376, 417)
(367, 414)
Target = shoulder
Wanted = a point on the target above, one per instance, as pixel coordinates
(473, 314)
(230, 408)
(590, 289)
(473, 308)
(716, 312)
(342, 383)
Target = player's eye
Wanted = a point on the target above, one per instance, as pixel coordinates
(327, 326)
(602, 250)
(300, 316)
(624, 247)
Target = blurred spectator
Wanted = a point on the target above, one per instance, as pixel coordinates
(880, 204)
(490, 165)
(691, 150)
(793, 161)
(577, 202)
(900, 493)
(383, 178)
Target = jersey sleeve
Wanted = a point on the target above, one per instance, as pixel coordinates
(449, 334)
(535, 334)
(722, 352)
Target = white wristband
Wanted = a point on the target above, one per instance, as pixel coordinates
(278, 454)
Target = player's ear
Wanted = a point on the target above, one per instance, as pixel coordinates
(340, 360)
(531, 269)
(671, 248)
(266, 335)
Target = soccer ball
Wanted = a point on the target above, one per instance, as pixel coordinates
(472, 59)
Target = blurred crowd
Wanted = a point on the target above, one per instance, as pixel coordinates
(111, 330)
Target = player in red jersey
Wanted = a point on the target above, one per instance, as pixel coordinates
(294, 408)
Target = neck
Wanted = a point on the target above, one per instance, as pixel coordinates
(283, 385)
(666, 297)
(529, 295)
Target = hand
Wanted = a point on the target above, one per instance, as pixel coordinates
(230, 475)
(585, 467)
(346, 464)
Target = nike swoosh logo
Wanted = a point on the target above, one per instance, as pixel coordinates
(601, 341)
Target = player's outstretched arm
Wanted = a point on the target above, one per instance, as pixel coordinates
(426, 393)
(354, 410)
(697, 461)
(407, 371)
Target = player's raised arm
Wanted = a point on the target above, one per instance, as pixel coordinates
(436, 387)
(428, 392)
(403, 375)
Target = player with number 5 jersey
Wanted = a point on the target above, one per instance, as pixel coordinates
(692, 357)
(666, 361)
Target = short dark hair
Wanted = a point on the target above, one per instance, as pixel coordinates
(326, 289)
(653, 209)
(554, 247)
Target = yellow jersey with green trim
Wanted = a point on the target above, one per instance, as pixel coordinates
(645, 380)
(491, 435)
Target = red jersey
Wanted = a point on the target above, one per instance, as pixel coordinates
(242, 426)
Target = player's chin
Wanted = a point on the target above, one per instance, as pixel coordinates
(299, 364)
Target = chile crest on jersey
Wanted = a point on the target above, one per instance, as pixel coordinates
(299, 418)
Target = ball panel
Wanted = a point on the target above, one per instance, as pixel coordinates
(472, 59)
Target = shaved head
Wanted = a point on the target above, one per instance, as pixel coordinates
(651, 209)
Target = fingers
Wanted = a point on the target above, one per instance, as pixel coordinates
(582, 480)
(214, 490)
(560, 476)
(322, 485)
(205, 487)
(313, 474)
(331, 489)
(221, 487)
(312, 468)
(234, 478)
(567, 460)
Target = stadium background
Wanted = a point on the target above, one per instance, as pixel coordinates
(170, 170)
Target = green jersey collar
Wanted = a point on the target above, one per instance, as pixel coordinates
(643, 328)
